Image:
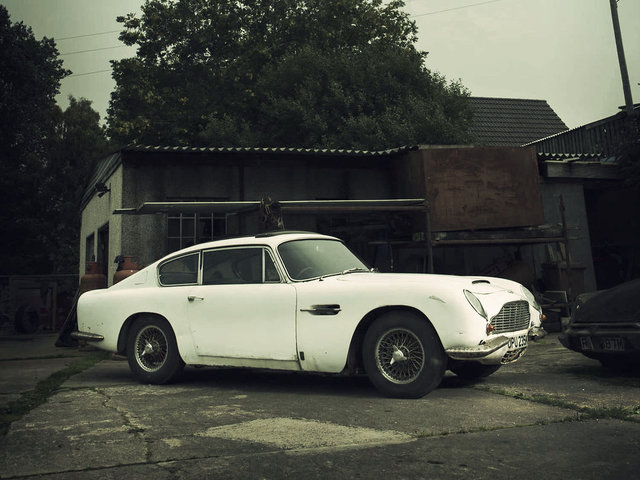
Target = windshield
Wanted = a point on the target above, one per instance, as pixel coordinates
(305, 259)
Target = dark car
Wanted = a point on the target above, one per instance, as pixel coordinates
(605, 325)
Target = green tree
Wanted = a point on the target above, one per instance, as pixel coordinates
(307, 73)
(77, 142)
(30, 75)
(46, 156)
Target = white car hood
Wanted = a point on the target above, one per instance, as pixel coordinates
(477, 285)
(493, 293)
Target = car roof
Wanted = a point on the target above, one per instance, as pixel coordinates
(272, 239)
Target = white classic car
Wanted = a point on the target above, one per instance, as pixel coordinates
(305, 302)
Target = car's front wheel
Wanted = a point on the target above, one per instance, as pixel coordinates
(152, 351)
(403, 356)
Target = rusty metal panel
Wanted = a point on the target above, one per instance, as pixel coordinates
(482, 188)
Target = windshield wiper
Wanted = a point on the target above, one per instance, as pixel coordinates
(345, 272)
(354, 270)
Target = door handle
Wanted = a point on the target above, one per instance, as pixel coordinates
(191, 298)
(332, 309)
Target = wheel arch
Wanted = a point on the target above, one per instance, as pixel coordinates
(128, 323)
(354, 356)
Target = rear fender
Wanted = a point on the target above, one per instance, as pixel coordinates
(126, 327)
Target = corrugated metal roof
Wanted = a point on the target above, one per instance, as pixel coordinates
(573, 157)
(602, 137)
(512, 122)
(269, 150)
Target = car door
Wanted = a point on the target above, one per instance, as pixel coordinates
(242, 309)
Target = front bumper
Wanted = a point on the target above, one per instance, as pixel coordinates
(86, 336)
(492, 351)
(629, 332)
(478, 351)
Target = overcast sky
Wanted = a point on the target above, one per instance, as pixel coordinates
(561, 51)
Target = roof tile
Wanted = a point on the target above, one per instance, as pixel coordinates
(512, 122)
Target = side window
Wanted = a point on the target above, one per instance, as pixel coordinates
(238, 266)
(181, 271)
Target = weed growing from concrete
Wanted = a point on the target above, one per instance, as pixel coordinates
(45, 389)
(583, 413)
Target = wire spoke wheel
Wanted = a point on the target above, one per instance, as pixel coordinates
(151, 348)
(399, 355)
(402, 355)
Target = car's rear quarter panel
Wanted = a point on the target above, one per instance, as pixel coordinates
(105, 312)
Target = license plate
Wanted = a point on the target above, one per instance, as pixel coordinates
(585, 343)
(612, 344)
(517, 342)
(604, 344)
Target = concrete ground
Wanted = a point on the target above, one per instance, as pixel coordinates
(554, 415)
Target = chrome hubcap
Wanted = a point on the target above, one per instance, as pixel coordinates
(148, 348)
(399, 355)
(151, 348)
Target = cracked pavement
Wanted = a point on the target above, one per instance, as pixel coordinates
(229, 423)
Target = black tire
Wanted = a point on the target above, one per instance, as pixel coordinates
(403, 356)
(473, 370)
(619, 363)
(152, 351)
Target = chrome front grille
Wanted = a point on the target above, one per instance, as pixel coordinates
(514, 316)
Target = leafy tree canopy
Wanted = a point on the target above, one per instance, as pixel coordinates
(306, 73)
(45, 156)
(76, 142)
(30, 75)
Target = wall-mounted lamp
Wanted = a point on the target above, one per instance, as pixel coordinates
(101, 188)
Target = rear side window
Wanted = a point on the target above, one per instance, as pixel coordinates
(180, 271)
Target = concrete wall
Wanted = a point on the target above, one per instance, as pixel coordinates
(96, 215)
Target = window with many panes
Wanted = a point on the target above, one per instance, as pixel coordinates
(185, 230)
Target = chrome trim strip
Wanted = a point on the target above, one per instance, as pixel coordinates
(332, 309)
(479, 351)
(89, 337)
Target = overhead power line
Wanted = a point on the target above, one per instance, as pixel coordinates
(87, 35)
(121, 46)
(118, 31)
(94, 50)
(455, 8)
(88, 73)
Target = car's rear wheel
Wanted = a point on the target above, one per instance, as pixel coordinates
(473, 370)
(152, 351)
(403, 356)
